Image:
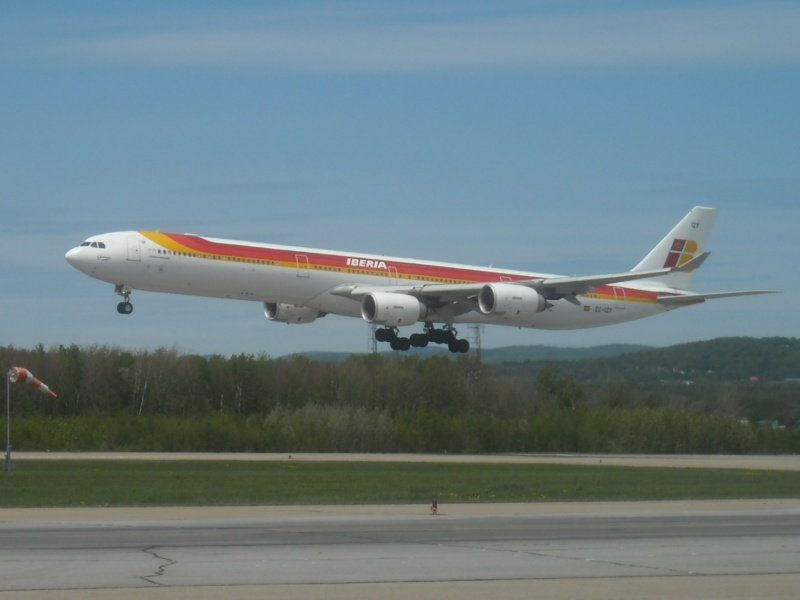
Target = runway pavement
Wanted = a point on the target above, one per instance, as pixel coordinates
(717, 461)
(659, 550)
(606, 550)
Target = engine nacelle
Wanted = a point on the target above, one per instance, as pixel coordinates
(513, 304)
(394, 310)
(289, 313)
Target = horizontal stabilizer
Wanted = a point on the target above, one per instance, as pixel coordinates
(687, 299)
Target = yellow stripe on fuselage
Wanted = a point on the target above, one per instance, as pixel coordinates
(165, 241)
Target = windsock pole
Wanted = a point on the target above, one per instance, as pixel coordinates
(19, 375)
(7, 464)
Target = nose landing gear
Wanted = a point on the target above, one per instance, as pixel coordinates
(125, 307)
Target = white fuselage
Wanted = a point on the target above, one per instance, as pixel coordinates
(305, 277)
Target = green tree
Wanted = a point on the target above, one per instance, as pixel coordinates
(557, 389)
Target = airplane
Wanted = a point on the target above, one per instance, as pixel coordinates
(299, 285)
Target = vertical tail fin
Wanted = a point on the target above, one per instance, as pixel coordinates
(686, 240)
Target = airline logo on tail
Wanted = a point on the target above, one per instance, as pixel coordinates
(681, 252)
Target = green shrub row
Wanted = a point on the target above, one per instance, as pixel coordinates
(315, 428)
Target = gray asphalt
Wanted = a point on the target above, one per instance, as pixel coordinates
(503, 552)
(595, 551)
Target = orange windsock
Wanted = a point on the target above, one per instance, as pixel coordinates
(20, 375)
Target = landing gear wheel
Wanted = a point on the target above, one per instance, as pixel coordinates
(401, 344)
(385, 334)
(419, 340)
(441, 336)
(125, 307)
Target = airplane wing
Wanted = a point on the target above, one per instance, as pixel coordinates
(690, 298)
(554, 288)
(464, 295)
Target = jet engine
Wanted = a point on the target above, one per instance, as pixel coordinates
(290, 313)
(513, 304)
(394, 310)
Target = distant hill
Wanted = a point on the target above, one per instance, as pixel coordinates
(554, 353)
(508, 354)
(721, 359)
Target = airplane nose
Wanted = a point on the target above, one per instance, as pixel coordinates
(77, 258)
(72, 256)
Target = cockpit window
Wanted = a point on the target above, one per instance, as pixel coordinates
(101, 245)
(85, 244)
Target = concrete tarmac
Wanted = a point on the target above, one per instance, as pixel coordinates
(697, 461)
(660, 550)
(586, 550)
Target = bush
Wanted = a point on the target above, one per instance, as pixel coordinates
(314, 428)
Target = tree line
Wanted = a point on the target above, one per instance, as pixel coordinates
(770, 359)
(115, 399)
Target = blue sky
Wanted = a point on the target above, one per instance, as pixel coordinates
(562, 137)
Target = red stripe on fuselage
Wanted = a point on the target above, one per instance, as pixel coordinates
(406, 270)
(428, 273)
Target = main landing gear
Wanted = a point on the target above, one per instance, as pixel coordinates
(125, 307)
(446, 335)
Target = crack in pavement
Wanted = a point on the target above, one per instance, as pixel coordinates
(165, 563)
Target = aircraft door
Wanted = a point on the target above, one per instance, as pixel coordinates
(619, 295)
(134, 250)
(303, 268)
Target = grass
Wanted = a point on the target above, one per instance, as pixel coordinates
(48, 483)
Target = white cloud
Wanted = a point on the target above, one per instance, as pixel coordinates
(356, 41)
